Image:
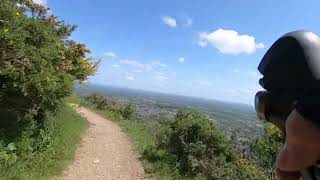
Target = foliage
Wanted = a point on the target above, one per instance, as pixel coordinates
(39, 63)
(127, 112)
(200, 148)
(102, 103)
(39, 66)
(267, 148)
(187, 147)
(47, 154)
(196, 142)
(72, 99)
(99, 101)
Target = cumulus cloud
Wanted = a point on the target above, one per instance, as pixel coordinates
(160, 78)
(181, 60)
(42, 2)
(130, 78)
(110, 54)
(144, 66)
(170, 21)
(229, 42)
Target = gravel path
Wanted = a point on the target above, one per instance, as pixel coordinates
(104, 153)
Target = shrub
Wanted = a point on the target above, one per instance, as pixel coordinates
(39, 63)
(127, 112)
(186, 147)
(267, 147)
(193, 138)
(47, 153)
(101, 102)
(198, 148)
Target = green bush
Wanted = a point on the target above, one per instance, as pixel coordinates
(39, 66)
(103, 102)
(45, 154)
(99, 101)
(193, 139)
(197, 148)
(186, 147)
(39, 63)
(127, 112)
(267, 147)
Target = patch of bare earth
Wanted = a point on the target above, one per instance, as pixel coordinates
(104, 153)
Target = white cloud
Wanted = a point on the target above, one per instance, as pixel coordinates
(189, 22)
(42, 2)
(144, 66)
(158, 64)
(202, 83)
(130, 78)
(170, 21)
(181, 59)
(160, 78)
(115, 65)
(229, 42)
(133, 63)
(110, 54)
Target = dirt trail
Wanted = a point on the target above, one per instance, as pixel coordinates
(104, 153)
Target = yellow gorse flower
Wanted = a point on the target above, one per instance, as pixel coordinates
(18, 14)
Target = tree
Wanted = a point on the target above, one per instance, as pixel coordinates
(267, 147)
(39, 63)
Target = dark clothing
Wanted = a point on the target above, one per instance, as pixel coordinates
(310, 111)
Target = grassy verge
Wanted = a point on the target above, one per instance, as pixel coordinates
(142, 138)
(55, 148)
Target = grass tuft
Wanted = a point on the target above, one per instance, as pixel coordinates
(59, 140)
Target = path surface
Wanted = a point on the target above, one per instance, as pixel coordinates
(104, 153)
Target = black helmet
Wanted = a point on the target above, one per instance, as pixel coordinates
(292, 65)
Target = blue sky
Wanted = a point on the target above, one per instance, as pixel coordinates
(204, 48)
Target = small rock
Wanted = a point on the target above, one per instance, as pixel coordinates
(96, 161)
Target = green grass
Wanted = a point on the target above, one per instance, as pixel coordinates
(136, 130)
(61, 136)
(73, 99)
(142, 139)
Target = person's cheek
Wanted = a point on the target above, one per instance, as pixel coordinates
(284, 170)
(301, 147)
(283, 160)
(296, 156)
